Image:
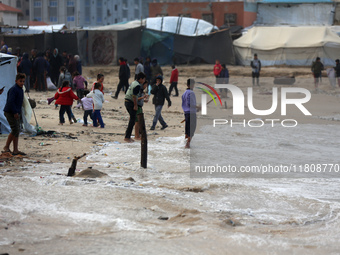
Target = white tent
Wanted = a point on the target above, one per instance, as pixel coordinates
(8, 71)
(175, 25)
(34, 29)
(297, 46)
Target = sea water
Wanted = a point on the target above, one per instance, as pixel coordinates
(43, 210)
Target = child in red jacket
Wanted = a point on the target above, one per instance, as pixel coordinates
(65, 97)
(217, 70)
(174, 81)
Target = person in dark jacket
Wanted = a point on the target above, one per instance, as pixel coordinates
(40, 67)
(55, 63)
(256, 69)
(156, 71)
(147, 68)
(317, 68)
(33, 57)
(123, 77)
(26, 68)
(12, 111)
(224, 78)
(72, 64)
(79, 65)
(160, 93)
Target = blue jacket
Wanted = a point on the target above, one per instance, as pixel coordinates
(15, 97)
(25, 65)
(40, 65)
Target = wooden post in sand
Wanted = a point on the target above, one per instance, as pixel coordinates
(72, 169)
(144, 141)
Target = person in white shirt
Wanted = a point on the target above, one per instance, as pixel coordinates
(87, 104)
(98, 100)
(139, 67)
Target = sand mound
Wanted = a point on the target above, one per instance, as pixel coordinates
(90, 173)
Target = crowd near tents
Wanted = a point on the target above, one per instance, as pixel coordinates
(283, 34)
(172, 40)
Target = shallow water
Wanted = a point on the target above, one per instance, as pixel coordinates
(44, 212)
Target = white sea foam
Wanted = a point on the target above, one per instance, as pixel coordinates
(313, 204)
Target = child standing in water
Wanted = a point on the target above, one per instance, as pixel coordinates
(98, 100)
(64, 97)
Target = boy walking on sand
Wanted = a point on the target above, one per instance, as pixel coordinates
(87, 104)
(98, 100)
(12, 111)
(160, 94)
(189, 107)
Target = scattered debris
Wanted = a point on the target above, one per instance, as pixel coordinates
(193, 189)
(232, 222)
(163, 218)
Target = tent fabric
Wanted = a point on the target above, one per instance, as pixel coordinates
(171, 48)
(34, 29)
(170, 24)
(288, 45)
(295, 14)
(8, 70)
(157, 44)
(180, 25)
(120, 26)
(129, 43)
(95, 47)
(204, 49)
(8, 65)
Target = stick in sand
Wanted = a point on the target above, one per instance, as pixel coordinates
(72, 169)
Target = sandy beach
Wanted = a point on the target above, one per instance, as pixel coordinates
(161, 209)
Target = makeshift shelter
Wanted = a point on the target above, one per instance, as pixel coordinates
(8, 70)
(171, 48)
(30, 30)
(172, 40)
(297, 46)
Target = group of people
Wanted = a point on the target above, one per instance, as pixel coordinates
(41, 67)
(317, 68)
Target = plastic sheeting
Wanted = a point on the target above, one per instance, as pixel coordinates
(170, 24)
(158, 44)
(34, 29)
(180, 25)
(171, 48)
(288, 45)
(120, 26)
(321, 14)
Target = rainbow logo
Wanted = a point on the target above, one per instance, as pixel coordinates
(208, 92)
